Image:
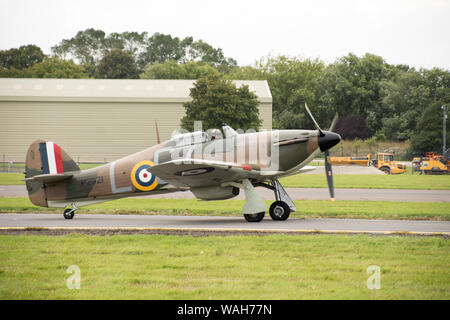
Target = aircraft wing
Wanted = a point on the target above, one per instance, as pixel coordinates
(201, 173)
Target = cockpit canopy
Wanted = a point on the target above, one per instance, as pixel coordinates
(186, 139)
(190, 138)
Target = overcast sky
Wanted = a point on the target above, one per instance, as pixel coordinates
(414, 32)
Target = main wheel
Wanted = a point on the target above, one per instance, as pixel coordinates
(257, 217)
(69, 213)
(386, 170)
(279, 210)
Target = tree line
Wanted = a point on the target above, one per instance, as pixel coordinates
(373, 98)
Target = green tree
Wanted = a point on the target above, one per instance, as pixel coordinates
(173, 70)
(248, 73)
(89, 46)
(404, 97)
(428, 136)
(21, 58)
(132, 42)
(215, 101)
(204, 52)
(56, 68)
(292, 81)
(380, 136)
(49, 68)
(371, 142)
(86, 48)
(407, 94)
(117, 64)
(162, 47)
(351, 85)
(356, 144)
(394, 127)
(11, 73)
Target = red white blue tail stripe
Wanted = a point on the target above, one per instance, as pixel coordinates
(51, 158)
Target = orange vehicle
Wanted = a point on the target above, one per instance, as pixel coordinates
(385, 162)
(432, 163)
(361, 161)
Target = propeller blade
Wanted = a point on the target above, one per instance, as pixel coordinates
(314, 120)
(333, 123)
(327, 141)
(329, 173)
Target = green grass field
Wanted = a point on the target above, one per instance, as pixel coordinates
(402, 181)
(305, 208)
(11, 178)
(236, 267)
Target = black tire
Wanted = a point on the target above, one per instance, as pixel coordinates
(67, 214)
(386, 170)
(279, 211)
(257, 217)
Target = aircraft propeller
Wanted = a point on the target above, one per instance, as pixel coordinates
(327, 139)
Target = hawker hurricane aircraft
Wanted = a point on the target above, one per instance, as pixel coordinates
(211, 167)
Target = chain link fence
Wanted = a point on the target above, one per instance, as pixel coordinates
(400, 150)
(10, 166)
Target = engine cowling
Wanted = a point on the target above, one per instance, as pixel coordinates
(215, 192)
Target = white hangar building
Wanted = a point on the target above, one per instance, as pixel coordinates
(98, 120)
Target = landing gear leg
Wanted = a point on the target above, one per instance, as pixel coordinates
(254, 207)
(69, 213)
(281, 209)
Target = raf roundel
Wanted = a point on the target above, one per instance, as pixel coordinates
(143, 179)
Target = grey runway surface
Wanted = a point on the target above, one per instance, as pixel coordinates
(222, 223)
(303, 194)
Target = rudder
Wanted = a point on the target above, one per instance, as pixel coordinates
(45, 158)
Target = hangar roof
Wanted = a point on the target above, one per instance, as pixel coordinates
(111, 90)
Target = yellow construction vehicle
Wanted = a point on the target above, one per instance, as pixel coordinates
(432, 163)
(360, 161)
(385, 162)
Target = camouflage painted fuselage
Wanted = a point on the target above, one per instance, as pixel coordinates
(258, 156)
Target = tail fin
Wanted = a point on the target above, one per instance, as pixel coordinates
(45, 158)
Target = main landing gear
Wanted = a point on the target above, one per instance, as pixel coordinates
(69, 213)
(283, 206)
(254, 208)
(280, 209)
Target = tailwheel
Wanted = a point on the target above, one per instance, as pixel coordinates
(256, 217)
(279, 210)
(69, 213)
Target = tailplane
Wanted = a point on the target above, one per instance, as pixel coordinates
(46, 162)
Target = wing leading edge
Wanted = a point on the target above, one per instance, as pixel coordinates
(201, 173)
